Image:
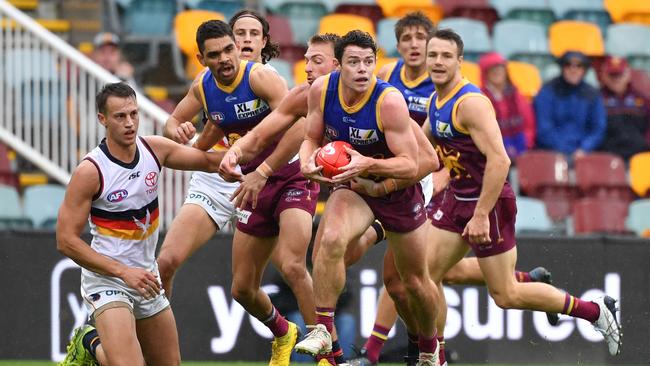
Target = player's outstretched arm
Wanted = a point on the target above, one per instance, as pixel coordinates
(181, 157)
(178, 126)
(476, 115)
(72, 218)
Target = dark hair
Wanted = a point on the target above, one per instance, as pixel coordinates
(271, 49)
(448, 35)
(330, 38)
(413, 19)
(354, 38)
(120, 89)
(212, 29)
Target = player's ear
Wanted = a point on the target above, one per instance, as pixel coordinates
(102, 118)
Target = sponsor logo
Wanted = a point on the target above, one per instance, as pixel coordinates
(117, 196)
(202, 198)
(294, 195)
(218, 117)
(443, 129)
(438, 215)
(151, 179)
(243, 216)
(349, 120)
(251, 108)
(134, 175)
(417, 104)
(331, 132)
(144, 226)
(231, 98)
(95, 297)
(328, 150)
(360, 136)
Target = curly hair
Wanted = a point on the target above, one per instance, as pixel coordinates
(271, 49)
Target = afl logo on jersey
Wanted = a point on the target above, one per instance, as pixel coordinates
(331, 132)
(218, 117)
(117, 196)
(151, 179)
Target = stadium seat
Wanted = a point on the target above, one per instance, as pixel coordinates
(627, 39)
(432, 11)
(226, 7)
(471, 72)
(391, 8)
(304, 17)
(567, 35)
(602, 175)
(515, 37)
(342, 23)
(386, 36)
(531, 10)
(532, 216)
(583, 10)
(484, 13)
(640, 174)
(370, 11)
(285, 69)
(525, 77)
(42, 202)
(280, 32)
(619, 9)
(638, 218)
(593, 215)
(11, 215)
(545, 175)
(299, 75)
(475, 35)
(185, 25)
(450, 6)
(149, 17)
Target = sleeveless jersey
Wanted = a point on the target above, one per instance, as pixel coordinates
(360, 124)
(416, 92)
(124, 213)
(459, 154)
(235, 108)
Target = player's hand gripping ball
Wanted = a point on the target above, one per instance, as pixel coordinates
(333, 156)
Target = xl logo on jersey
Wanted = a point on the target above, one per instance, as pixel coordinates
(117, 196)
(251, 108)
(360, 136)
(417, 104)
(443, 129)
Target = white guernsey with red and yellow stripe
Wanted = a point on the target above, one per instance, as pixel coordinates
(124, 215)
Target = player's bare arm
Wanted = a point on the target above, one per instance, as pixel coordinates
(476, 115)
(427, 163)
(210, 135)
(178, 126)
(314, 127)
(71, 221)
(292, 107)
(400, 140)
(181, 157)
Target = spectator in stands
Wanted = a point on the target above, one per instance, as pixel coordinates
(108, 54)
(570, 113)
(628, 113)
(514, 112)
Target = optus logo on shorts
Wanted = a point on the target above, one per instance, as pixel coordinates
(117, 196)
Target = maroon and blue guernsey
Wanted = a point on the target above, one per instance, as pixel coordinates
(459, 154)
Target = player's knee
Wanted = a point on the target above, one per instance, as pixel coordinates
(167, 265)
(453, 276)
(242, 294)
(293, 271)
(396, 291)
(333, 244)
(505, 299)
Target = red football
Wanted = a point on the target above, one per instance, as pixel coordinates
(333, 156)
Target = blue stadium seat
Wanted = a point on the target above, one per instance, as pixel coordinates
(285, 69)
(513, 37)
(42, 203)
(474, 33)
(627, 39)
(11, 215)
(584, 10)
(226, 7)
(149, 17)
(386, 36)
(304, 17)
(638, 219)
(532, 216)
(533, 10)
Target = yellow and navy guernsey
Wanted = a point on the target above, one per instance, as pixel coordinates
(416, 92)
(454, 145)
(359, 124)
(235, 108)
(124, 214)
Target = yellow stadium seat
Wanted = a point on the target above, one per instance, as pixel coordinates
(382, 61)
(390, 7)
(299, 74)
(618, 9)
(471, 72)
(432, 11)
(640, 173)
(570, 35)
(25, 4)
(525, 77)
(185, 25)
(342, 23)
(641, 17)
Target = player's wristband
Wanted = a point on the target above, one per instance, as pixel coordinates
(264, 170)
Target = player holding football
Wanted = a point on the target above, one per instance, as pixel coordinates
(479, 211)
(353, 106)
(115, 190)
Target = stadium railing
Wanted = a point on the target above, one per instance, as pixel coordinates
(48, 112)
